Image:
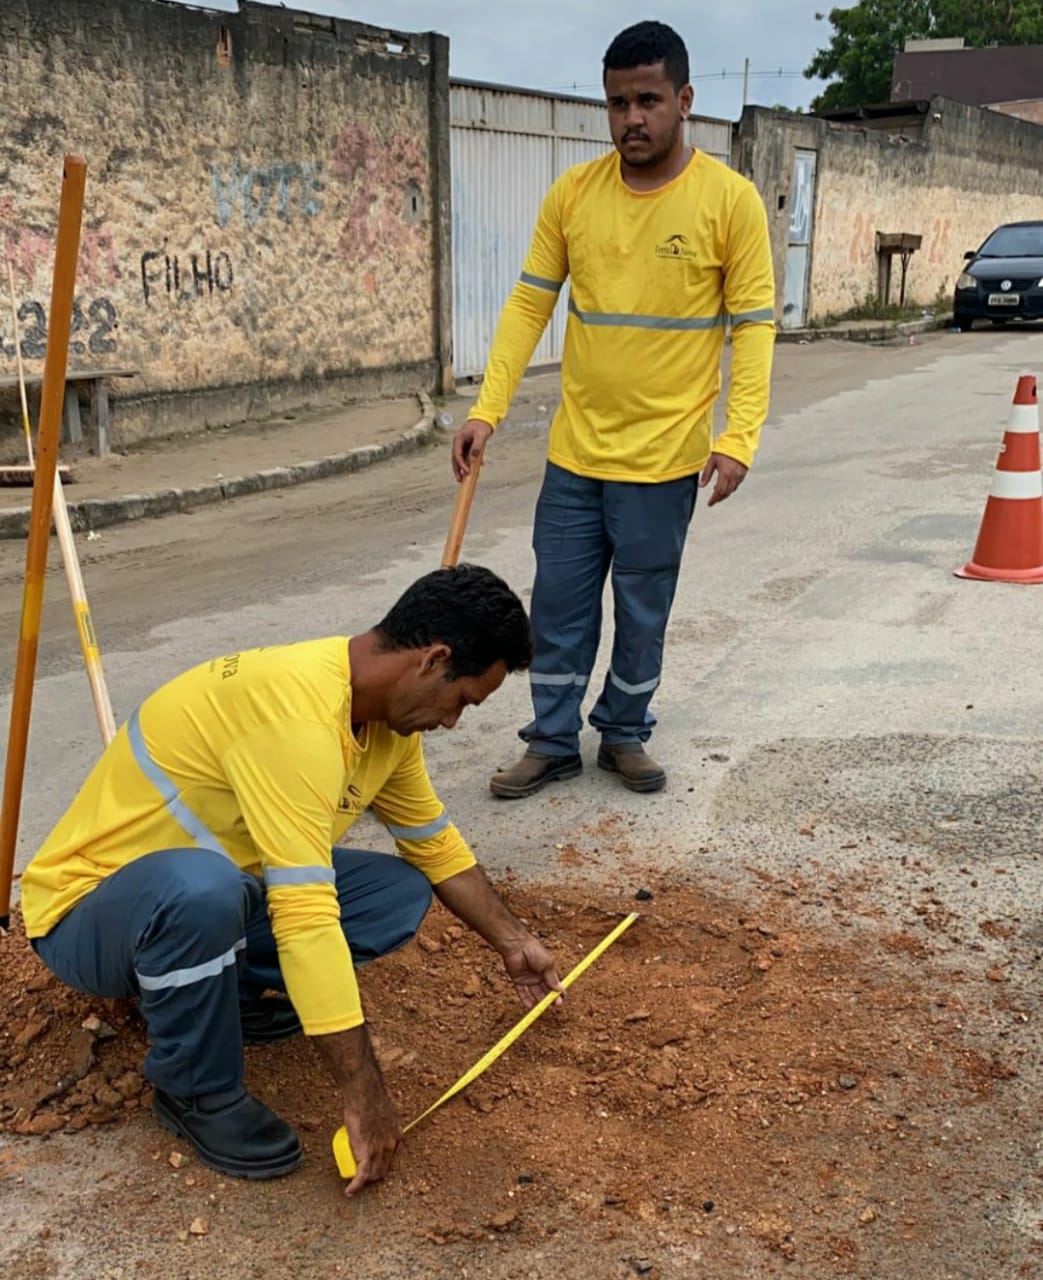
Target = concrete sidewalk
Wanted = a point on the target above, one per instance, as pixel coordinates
(182, 474)
(868, 330)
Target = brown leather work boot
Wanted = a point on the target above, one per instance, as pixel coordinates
(637, 770)
(531, 773)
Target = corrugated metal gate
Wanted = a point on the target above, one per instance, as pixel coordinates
(507, 147)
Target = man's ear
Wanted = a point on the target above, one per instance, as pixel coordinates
(434, 658)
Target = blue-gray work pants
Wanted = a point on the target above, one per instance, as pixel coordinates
(187, 932)
(582, 529)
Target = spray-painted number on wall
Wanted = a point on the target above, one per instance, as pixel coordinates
(96, 328)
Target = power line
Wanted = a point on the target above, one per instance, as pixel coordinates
(754, 75)
(708, 76)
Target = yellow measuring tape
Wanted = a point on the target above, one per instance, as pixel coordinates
(342, 1147)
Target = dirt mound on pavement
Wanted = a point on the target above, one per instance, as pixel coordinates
(714, 1071)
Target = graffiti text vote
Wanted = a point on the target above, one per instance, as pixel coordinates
(278, 188)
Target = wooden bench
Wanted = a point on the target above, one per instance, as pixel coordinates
(100, 419)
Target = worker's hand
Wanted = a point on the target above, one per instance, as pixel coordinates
(530, 967)
(369, 1117)
(373, 1128)
(469, 445)
(730, 474)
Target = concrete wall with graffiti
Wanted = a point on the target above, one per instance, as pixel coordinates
(950, 176)
(266, 217)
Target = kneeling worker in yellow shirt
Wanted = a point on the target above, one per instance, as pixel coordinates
(201, 863)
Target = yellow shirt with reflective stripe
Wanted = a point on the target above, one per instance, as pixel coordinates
(253, 755)
(654, 280)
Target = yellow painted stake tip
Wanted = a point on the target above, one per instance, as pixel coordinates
(342, 1152)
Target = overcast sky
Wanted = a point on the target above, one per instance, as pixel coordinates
(556, 44)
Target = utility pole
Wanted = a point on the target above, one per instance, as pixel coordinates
(746, 83)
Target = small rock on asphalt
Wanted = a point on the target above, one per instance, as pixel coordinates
(847, 1082)
(643, 895)
(43, 1122)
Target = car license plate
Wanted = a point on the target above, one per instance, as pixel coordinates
(1004, 299)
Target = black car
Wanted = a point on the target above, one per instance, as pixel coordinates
(1003, 281)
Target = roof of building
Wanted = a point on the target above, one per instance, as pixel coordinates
(974, 76)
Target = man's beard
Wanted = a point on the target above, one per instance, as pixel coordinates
(660, 154)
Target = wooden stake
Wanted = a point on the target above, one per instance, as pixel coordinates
(67, 251)
(462, 509)
(78, 593)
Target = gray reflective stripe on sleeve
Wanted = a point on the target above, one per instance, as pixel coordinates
(570, 677)
(419, 833)
(624, 321)
(541, 282)
(167, 788)
(645, 687)
(276, 876)
(196, 973)
(753, 317)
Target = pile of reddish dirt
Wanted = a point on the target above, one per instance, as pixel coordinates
(711, 1070)
(66, 1060)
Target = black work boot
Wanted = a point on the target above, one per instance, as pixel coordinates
(268, 1020)
(531, 773)
(231, 1132)
(637, 770)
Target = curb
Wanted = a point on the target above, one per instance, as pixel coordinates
(882, 332)
(100, 513)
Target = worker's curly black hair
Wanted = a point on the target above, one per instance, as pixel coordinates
(469, 609)
(645, 44)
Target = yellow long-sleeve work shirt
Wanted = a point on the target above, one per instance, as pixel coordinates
(253, 755)
(655, 277)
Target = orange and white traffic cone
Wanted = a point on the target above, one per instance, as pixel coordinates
(1010, 541)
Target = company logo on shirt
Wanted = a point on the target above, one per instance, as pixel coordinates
(351, 801)
(675, 246)
(225, 667)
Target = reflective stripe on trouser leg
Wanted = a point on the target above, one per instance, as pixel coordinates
(169, 927)
(572, 558)
(382, 899)
(648, 525)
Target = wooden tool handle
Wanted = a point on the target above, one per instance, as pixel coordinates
(462, 509)
(67, 250)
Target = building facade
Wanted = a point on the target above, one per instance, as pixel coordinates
(267, 207)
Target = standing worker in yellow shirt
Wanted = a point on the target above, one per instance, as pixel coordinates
(201, 863)
(663, 247)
